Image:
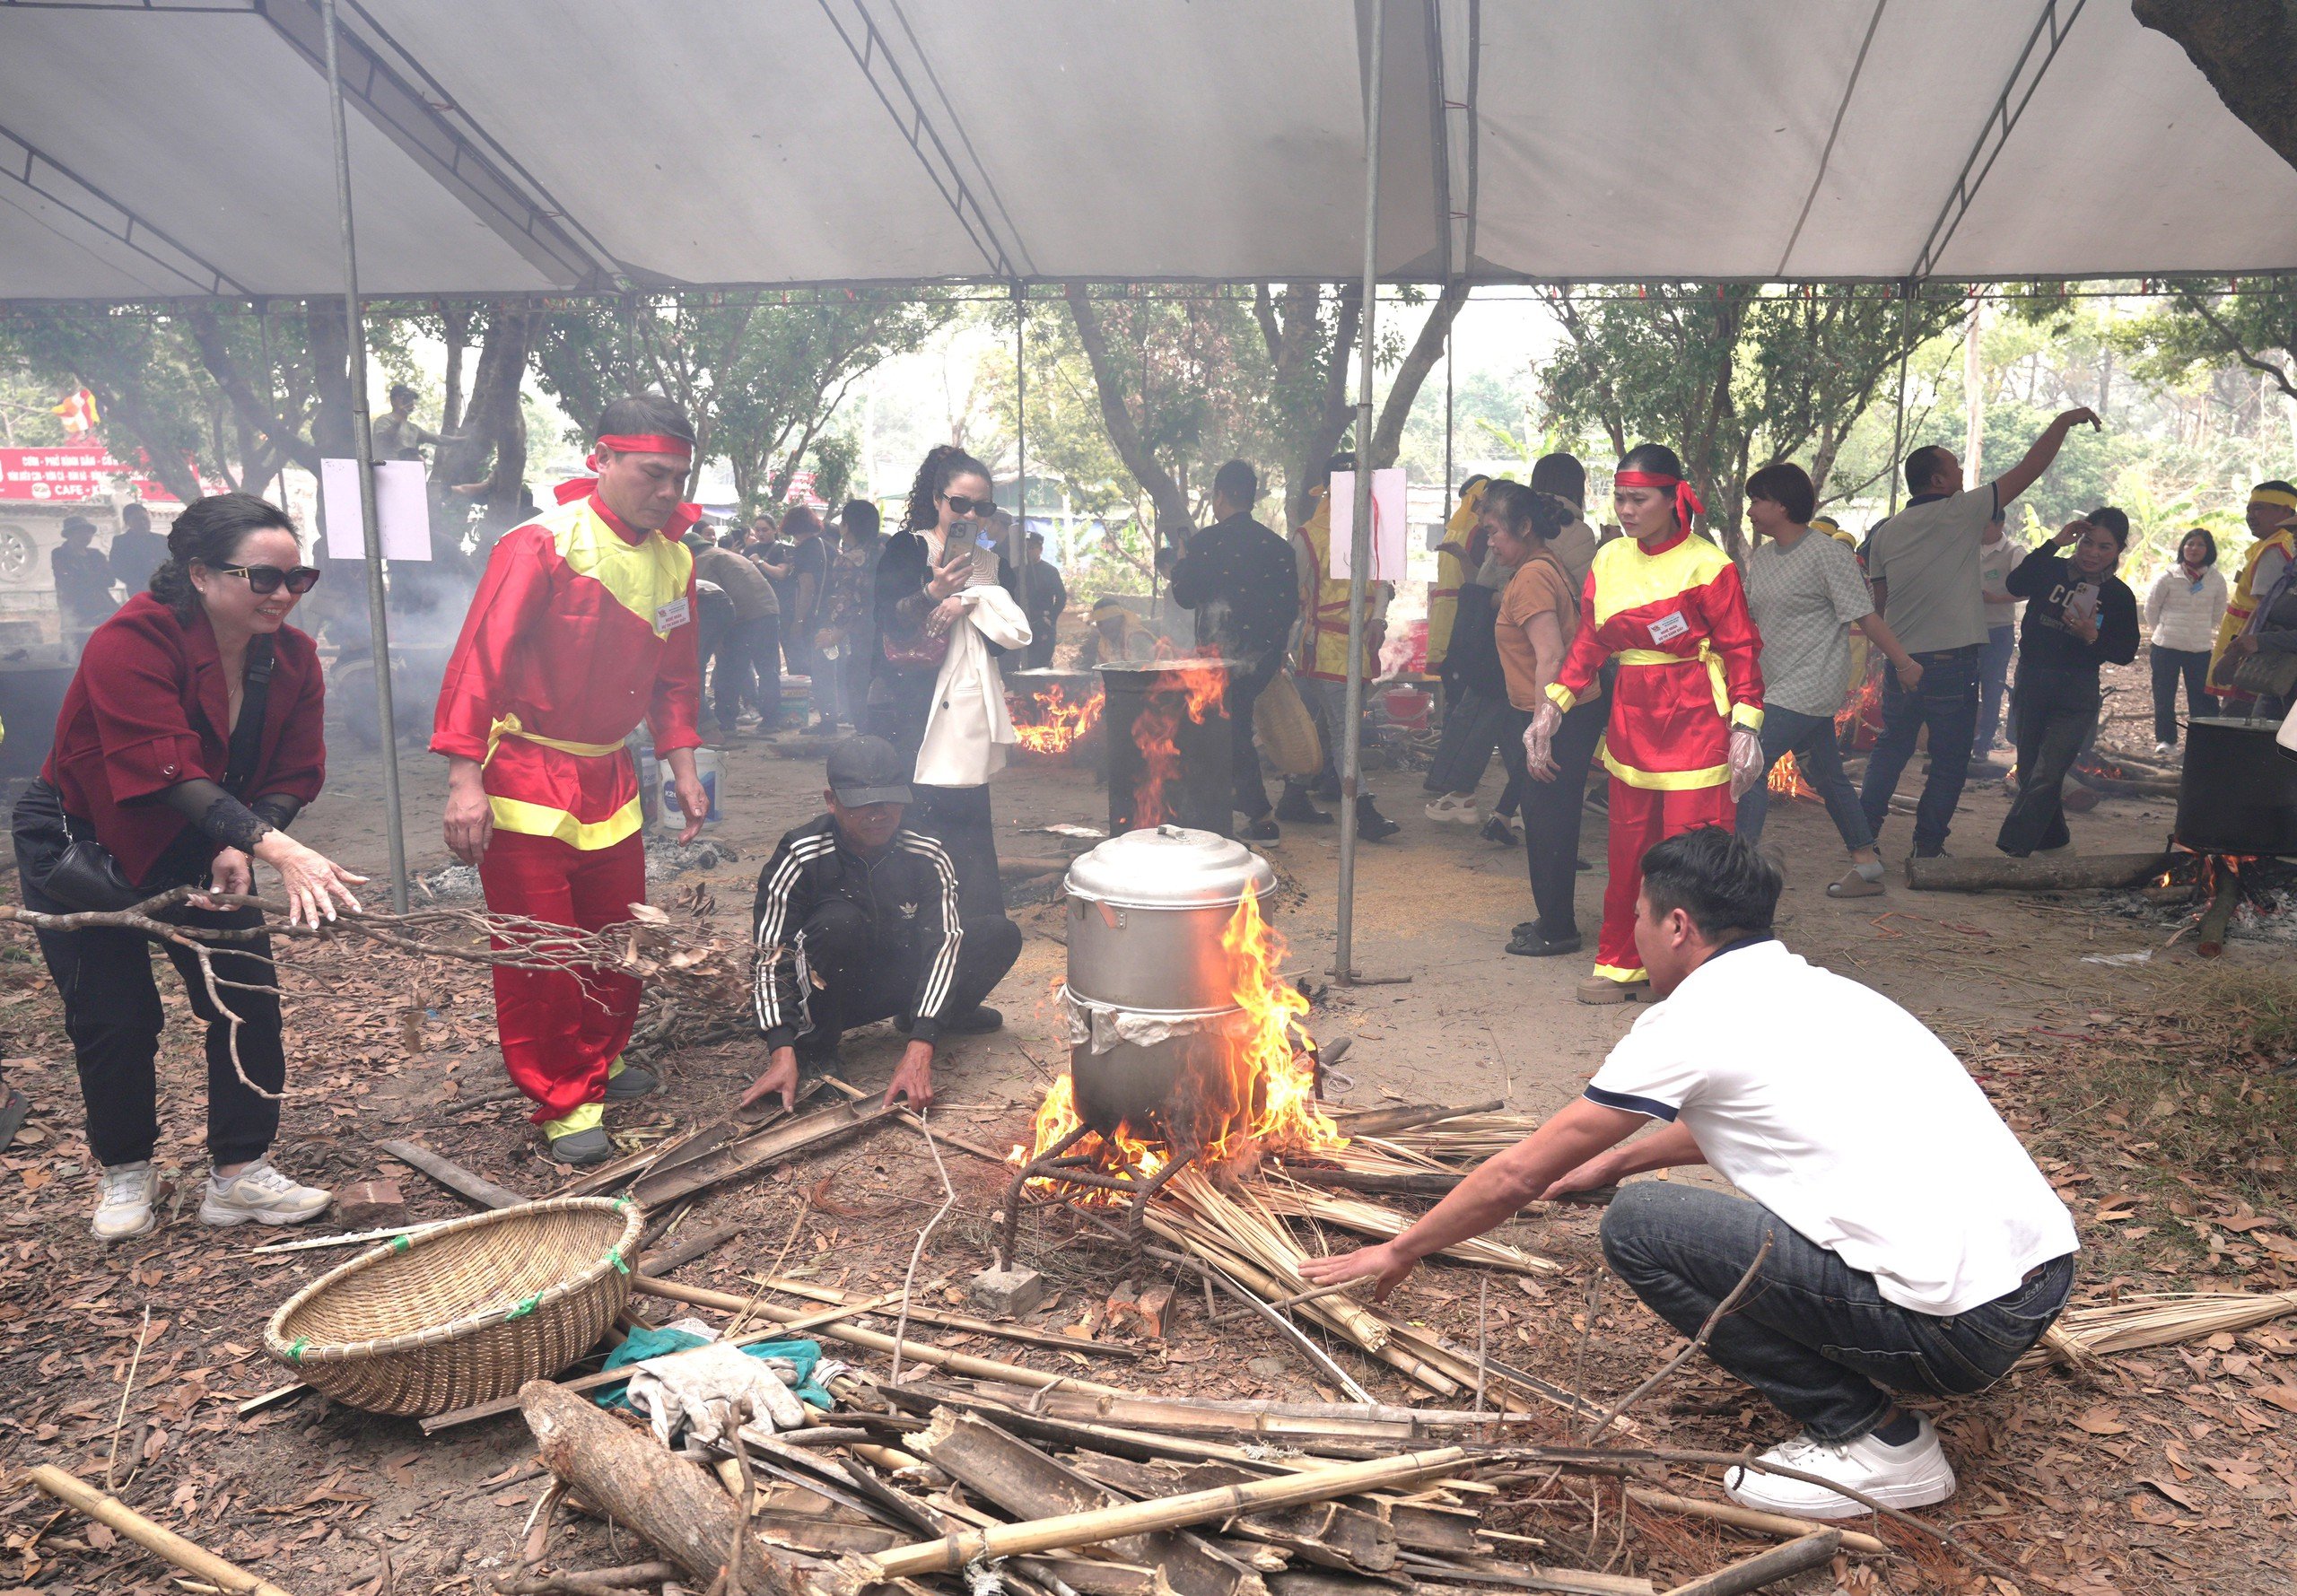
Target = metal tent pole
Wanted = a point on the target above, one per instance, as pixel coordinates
(1898, 419)
(1351, 736)
(1016, 542)
(362, 447)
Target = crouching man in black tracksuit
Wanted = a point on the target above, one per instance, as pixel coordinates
(857, 921)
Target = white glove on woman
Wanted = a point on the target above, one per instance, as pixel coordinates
(1539, 742)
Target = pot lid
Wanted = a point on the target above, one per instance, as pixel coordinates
(1169, 867)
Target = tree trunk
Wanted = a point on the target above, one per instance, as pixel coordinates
(122, 405)
(1174, 519)
(1427, 349)
(495, 425)
(330, 347)
(2082, 872)
(253, 408)
(2247, 49)
(668, 1503)
(1332, 422)
(455, 319)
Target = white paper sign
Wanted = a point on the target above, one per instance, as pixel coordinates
(1391, 535)
(402, 507)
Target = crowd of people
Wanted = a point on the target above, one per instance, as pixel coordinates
(192, 737)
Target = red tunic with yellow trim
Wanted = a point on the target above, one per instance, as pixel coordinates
(1676, 618)
(581, 628)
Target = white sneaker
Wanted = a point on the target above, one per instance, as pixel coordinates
(125, 1202)
(1454, 811)
(261, 1193)
(2163, 750)
(1915, 1475)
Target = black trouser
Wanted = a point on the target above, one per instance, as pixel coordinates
(1552, 811)
(852, 979)
(1245, 689)
(111, 1012)
(2053, 714)
(958, 819)
(2170, 665)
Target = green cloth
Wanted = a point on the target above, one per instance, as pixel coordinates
(643, 1344)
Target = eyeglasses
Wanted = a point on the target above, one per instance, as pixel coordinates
(266, 579)
(963, 506)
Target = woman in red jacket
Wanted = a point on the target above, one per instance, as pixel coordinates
(188, 740)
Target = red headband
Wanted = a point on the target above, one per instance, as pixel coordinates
(1687, 503)
(645, 443)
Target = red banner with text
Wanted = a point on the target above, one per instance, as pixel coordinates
(71, 473)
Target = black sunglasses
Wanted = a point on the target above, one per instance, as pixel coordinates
(265, 578)
(965, 506)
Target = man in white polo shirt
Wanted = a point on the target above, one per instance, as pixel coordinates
(1925, 567)
(1914, 1246)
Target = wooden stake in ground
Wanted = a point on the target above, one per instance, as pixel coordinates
(666, 1501)
(186, 1554)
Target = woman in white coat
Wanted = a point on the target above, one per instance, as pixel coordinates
(935, 692)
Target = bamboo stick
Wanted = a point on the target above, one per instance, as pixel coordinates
(186, 1554)
(923, 1352)
(1747, 1518)
(953, 1552)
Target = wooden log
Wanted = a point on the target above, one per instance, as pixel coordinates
(953, 1552)
(1434, 1577)
(1020, 1333)
(1007, 1471)
(923, 1352)
(666, 1501)
(1764, 1568)
(761, 1149)
(1331, 1534)
(1746, 1518)
(821, 1536)
(2080, 872)
(2218, 917)
(186, 1554)
(678, 1254)
(453, 1176)
(1385, 1121)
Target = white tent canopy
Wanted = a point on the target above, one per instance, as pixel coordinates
(169, 148)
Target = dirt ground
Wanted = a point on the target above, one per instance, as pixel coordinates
(2169, 1470)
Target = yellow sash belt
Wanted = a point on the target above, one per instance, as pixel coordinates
(508, 727)
(1706, 656)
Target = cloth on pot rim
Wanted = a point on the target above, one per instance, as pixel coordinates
(1102, 1027)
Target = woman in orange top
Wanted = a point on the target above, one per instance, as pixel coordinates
(1538, 615)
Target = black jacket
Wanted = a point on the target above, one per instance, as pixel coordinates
(909, 894)
(2047, 581)
(1239, 578)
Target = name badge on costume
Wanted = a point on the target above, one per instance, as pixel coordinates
(1669, 627)
(672, 615)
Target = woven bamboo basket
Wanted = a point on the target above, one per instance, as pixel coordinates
(465, 1314)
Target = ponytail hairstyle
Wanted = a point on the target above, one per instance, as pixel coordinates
(944, 464)
(210, 531)
(1528, 512)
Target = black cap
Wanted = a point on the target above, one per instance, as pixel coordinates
(864, 771)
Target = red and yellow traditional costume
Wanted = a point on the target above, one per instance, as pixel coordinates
(581, 627)
(2243, 602)
(1452, 573)
(1675, 617)
(1324, 602)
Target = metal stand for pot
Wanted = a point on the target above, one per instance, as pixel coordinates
(1057, 1164)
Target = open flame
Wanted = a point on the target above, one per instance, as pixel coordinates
(1261, 1100)
(1055, 722)
(1786, 779)
(1859, 721)
(1192, 688)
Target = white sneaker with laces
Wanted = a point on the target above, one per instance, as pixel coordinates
(125, 1201)
(1915, 1475)
(1454, 811)
(2163, 750)
(261, 1193)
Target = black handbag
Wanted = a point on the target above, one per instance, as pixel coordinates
(60, 858)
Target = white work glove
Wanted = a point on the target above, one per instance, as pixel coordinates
(1539, 742)
(1746, 761)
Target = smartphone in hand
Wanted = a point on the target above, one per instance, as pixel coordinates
(985, 555)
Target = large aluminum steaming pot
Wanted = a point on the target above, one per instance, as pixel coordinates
(1147, 911)
(1146, 914)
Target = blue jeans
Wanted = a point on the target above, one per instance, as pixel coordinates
(1947, 703)
(1814, 1336)
(1993, 678)
(1810, 738)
